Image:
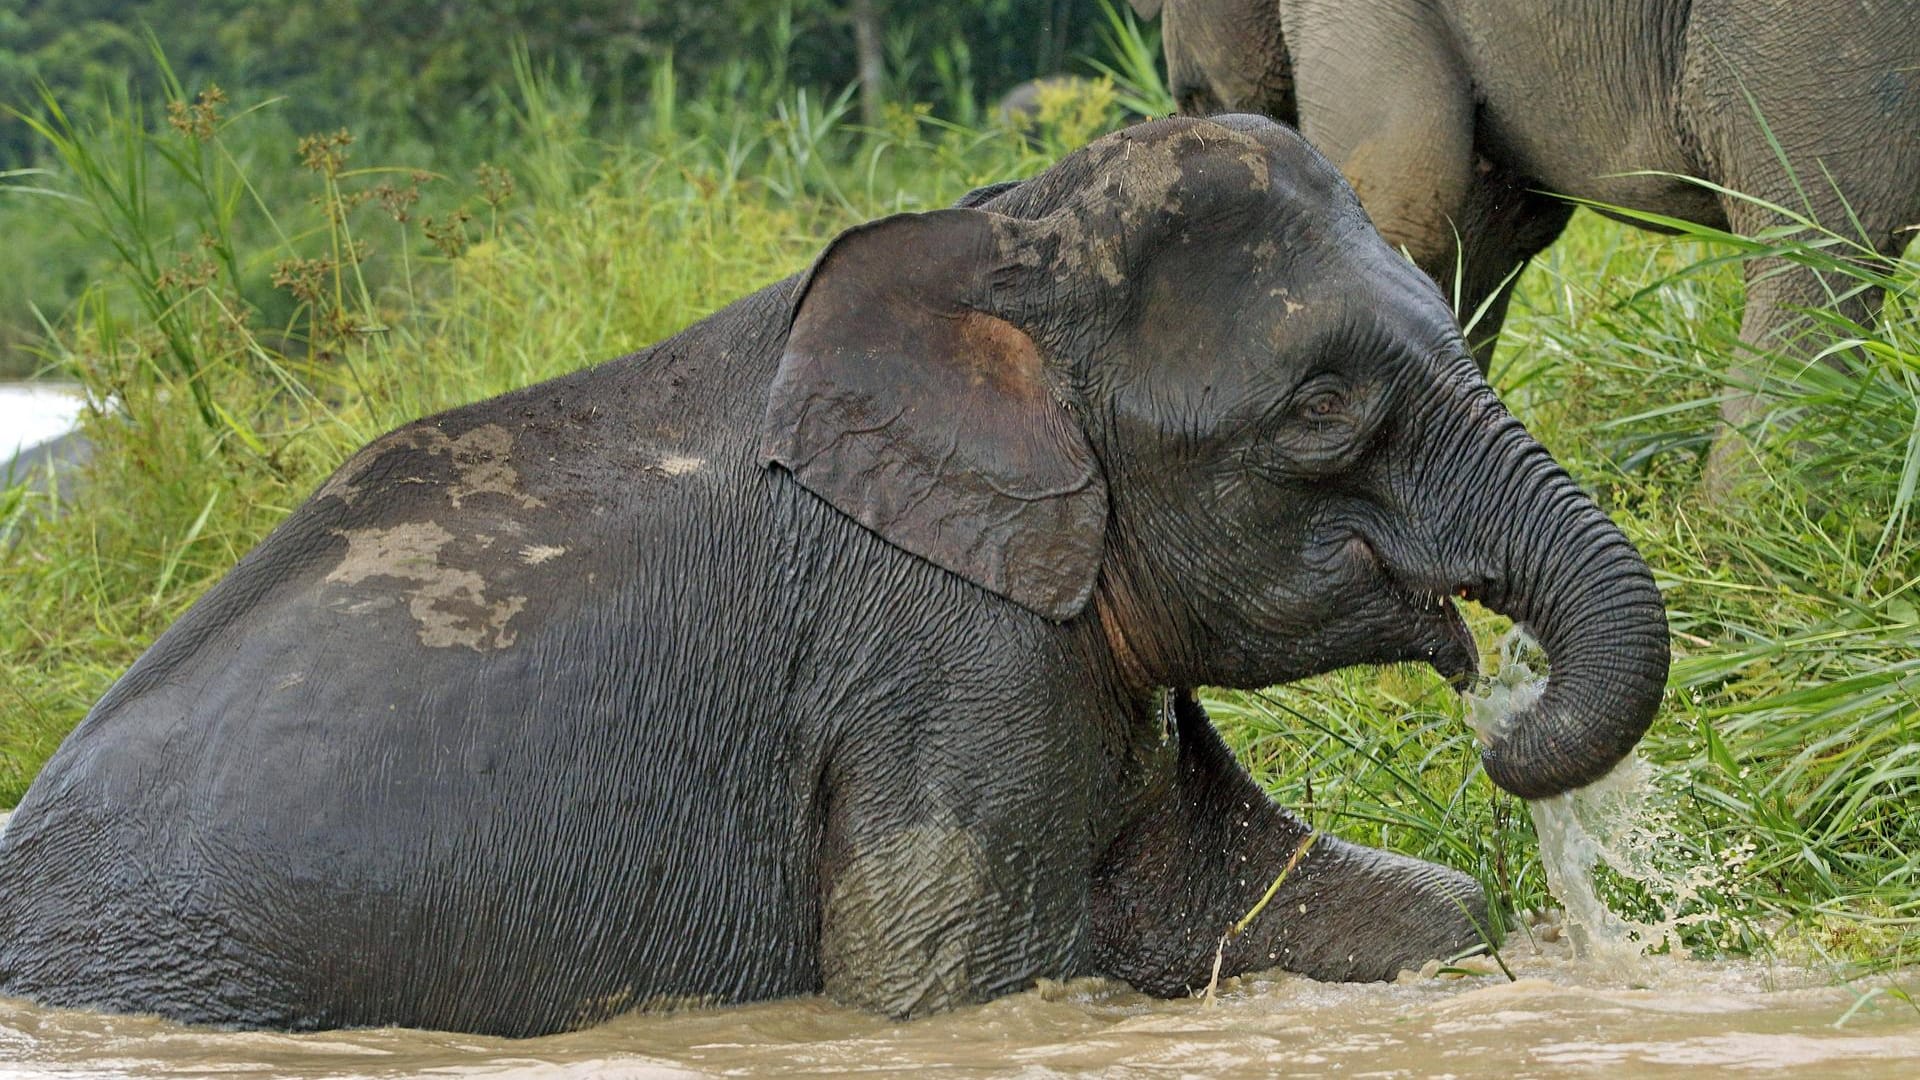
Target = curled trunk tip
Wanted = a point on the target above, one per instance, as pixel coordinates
(1609, 668)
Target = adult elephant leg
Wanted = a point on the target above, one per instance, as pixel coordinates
(1204, 849)
(927, 904)
(1227, 56)
(1762, 108)
(1775, 341)
(1506, 223)
(1385, 96)
(1777, 336)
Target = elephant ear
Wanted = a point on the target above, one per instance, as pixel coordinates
(906, 404)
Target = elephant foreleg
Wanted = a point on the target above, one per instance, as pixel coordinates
(1386, 96)
(1777, 340)
(927, 907)
(1228, 56)
(1763, 113)
(1773, 344)
(1199, 861)
(1383, 93)
(1506, 222)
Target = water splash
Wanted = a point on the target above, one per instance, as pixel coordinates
(1619, 821)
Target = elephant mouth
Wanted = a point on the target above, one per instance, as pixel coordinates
(1425, 625)
(1444, 642)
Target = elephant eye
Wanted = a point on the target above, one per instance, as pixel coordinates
(1320, 427)
(1324, 405)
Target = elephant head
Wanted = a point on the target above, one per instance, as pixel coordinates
(1178, 391)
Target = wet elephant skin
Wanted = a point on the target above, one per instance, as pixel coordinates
(819, 648)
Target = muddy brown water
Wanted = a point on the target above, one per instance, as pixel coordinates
(1563, 1017)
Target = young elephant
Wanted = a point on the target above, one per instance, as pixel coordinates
(1454, 119)
(817, 647)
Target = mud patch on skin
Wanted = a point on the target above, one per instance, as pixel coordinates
(345, 483)
(535, 554)
(481, 461)
(1151, 170)
(449, 603)
(1157, 167)
(1294, 307)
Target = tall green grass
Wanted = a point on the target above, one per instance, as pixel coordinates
(230, 374)
(1794, 711)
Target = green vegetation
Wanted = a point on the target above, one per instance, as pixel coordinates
(269, 302)
(432, 84)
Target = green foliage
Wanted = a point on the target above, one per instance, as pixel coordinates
(432, 84)
(1794, 707)
(422, 74)
(1134, 66)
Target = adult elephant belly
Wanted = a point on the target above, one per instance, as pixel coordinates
(1578, 96)
(437, 769)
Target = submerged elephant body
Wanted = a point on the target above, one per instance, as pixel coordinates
(1460, 122)
(817, 647)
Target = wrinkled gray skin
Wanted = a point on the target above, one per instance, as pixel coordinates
(816, 648)
(1452, 117)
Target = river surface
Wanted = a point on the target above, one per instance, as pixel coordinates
(1563, 1017)
(32, 413)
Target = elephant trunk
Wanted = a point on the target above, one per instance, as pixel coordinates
(1531, 545)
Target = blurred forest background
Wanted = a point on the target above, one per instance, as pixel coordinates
(431, 84)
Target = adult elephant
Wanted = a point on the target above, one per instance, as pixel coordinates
(1454, 119)
(817, 647)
